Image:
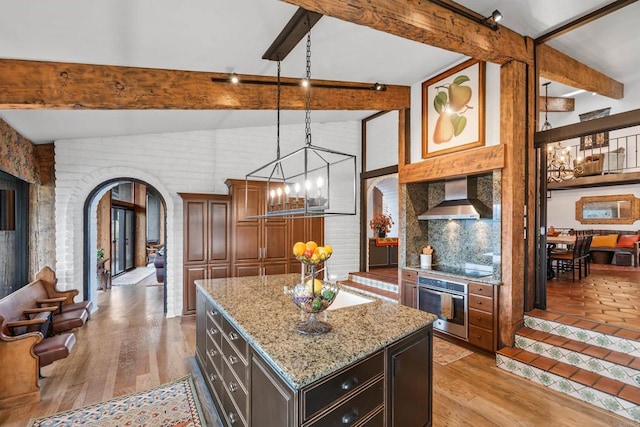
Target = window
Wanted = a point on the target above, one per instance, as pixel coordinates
(153, 218)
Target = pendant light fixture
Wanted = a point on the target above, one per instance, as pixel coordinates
(546, 125)
(311, 181)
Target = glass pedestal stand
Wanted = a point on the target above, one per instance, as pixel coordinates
(312, 326)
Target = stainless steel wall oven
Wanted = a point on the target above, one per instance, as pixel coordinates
(448, 299)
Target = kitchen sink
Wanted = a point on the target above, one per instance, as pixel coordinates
(348, 299)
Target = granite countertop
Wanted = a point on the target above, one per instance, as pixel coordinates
(260, 310)
(488, 280)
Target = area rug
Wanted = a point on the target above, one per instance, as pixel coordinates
(171, 405)
(133, 277)
(444, 352)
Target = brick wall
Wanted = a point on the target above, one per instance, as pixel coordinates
(182, 162)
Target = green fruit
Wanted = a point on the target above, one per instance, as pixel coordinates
(328, 295)
(316, 304)
(459, 96)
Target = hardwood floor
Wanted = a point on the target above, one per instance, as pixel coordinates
(129, 346)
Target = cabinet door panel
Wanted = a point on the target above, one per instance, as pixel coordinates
(219, 231)
(275, 243)
(191, 274)
(243, 270)
(247, 243)
(195, 232)
(219, 271)
(410, 382)
(275, 405)
(275, 268)
(254, 203)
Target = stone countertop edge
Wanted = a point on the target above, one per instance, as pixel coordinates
(487, 280)
(261, 311)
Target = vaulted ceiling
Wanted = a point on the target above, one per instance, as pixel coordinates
(232, 35)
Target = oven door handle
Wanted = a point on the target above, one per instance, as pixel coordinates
(440, 293)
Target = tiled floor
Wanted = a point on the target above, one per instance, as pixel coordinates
(608, 295)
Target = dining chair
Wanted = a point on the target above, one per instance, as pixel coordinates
(586, 254)
(570, 260)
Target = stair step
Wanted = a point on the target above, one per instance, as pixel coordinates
(594, 362)
(385, 283)
(370, 290)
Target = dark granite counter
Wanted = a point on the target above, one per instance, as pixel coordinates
(488, 280)
(260, 309)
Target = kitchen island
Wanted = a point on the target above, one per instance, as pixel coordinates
(372, 369)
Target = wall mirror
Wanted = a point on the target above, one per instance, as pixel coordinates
(614, 209)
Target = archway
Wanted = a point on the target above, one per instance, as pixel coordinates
(90, 234)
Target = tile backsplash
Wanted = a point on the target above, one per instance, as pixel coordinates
(455, 242)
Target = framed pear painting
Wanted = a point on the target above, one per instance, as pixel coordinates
(453, 110)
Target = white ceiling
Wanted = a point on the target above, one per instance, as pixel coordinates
(232, 35)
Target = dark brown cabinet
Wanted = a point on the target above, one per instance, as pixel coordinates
(483, 318)
(382, 256)
(262, 246)
(409, 290)
(390, 387)
(207, 234)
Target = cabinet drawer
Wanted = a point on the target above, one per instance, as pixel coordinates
(235, 339)
(476, 288)
(410, 275)
(481, 303)
(213, 335)
(482, 319)
(234, 362)
(480, 337)
(237, 392)
(376, 420)
(213, 354)
(213, 314)
(232, 414)
(355, 408)
(324, 394)
(214, 378)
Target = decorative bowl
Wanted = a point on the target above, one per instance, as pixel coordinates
(312, 300)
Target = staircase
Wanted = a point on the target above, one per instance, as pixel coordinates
(380, 285)
(594, 362)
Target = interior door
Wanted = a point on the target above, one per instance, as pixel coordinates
(122, 237)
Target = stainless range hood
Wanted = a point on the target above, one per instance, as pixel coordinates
(460, 202)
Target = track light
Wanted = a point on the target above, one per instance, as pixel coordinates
(305, 83)
(234, 78)
(379, 87)
(492, 20)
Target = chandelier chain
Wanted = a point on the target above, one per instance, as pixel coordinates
(307, 106)
(278, 114)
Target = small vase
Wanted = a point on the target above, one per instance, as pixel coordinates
(382, 233)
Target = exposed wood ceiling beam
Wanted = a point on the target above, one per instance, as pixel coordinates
(589, 127)
(298, 26)
(556, 104)
(559, 67)
(583, 20)
(57, 85)
(428, 23)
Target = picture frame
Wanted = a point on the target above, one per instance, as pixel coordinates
(598, 140)
(453, 119)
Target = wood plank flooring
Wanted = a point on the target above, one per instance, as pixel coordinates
(129, 346)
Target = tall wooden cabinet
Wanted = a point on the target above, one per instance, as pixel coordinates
(207, 234)
(262, 246)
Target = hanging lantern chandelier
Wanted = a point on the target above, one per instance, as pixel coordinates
(311, 181)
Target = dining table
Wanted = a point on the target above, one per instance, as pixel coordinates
(561, 239)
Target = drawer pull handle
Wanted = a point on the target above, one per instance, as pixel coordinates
(350, 416)
(233, 336)
(213, 353)
(479, 319)
(232, 418)
(349, 384)
(479, 337)
(479, 302)
(213, 313)
(213, 377)
(213, 331)
(233, 360)
(233, 387)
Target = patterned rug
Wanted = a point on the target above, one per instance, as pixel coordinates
(444, 352)
(171, 405)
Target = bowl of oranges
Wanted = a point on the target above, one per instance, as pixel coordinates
(310, 253)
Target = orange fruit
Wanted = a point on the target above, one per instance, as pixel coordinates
(329, 249)
(311, 245)
(299, 248)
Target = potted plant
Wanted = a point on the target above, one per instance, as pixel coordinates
(381, 224)
(100, 254)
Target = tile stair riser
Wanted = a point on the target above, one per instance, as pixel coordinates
(587, 394)
(374, 283)
(601, 367)
(609, 342)
(371, 294)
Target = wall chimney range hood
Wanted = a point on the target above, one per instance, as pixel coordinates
(460, 202)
